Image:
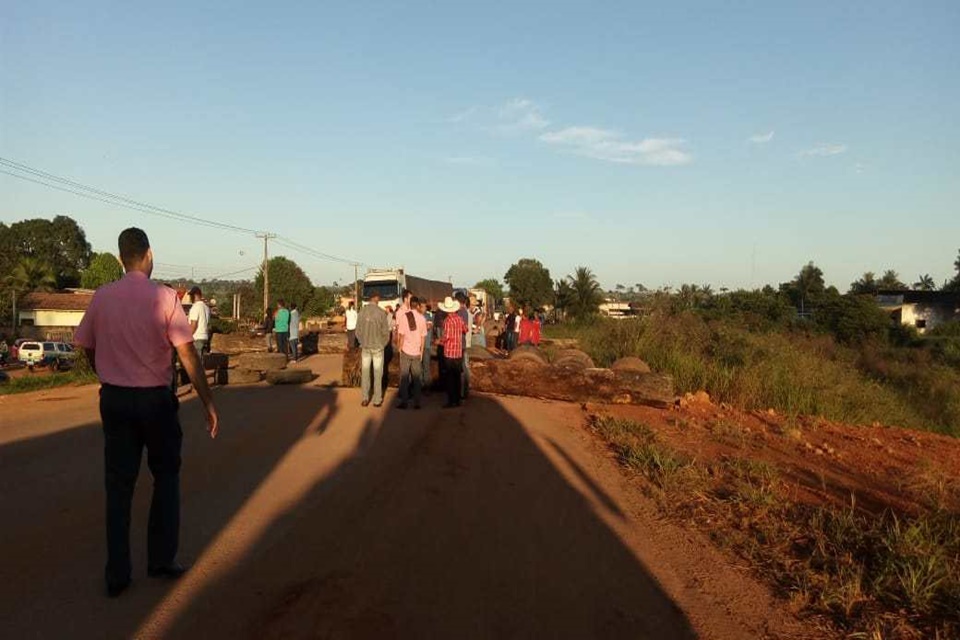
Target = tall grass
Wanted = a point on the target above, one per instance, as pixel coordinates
(791, 371)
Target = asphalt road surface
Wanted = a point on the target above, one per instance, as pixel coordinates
(312, 517)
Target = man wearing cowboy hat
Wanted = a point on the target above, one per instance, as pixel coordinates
(452, 342)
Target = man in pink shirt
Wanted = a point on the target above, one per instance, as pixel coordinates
(129, 333)
(412, 333)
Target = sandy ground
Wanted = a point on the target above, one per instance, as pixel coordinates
(311, 517)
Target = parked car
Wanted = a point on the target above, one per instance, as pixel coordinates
(30, 352)
(55, 354)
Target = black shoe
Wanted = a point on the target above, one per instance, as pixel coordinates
(114, 589)
(402, 405)
(170, 572)
(451, 405)
(417, 406)
(364, 403)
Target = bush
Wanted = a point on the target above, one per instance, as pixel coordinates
(789, 370)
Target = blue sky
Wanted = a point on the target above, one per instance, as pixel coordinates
(722, 143)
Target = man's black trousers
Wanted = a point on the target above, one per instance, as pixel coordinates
(134, 418)
(452, 373)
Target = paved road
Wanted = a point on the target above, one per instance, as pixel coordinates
(313, 517)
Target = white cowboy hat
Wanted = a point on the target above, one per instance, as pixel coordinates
(449, 305)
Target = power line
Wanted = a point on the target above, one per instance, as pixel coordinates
(53, 181)
(108, 197)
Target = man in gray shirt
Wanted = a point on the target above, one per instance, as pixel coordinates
(373, 334)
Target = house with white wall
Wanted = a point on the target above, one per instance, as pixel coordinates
(921, 309)
(52, 316)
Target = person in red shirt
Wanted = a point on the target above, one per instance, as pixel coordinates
(129, 333)
(530, 330)
(454, 330)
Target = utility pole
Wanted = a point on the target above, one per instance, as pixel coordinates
(356, 286)
(266, 270)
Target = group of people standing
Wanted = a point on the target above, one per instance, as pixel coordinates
(519, 329)
(415, 328)
(283, 326)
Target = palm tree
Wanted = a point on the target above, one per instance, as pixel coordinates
(32, 274)
(925, 283)
(562, 298)
(586, 293)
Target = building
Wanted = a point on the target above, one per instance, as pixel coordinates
(921, 309)
(52, 316)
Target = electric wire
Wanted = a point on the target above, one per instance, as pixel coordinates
(45, 178)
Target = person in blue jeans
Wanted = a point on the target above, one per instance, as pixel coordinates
(373, 334)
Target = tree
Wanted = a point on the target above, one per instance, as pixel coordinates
(562, 298)
(891, 281)
(32, 274)
(104, 268)
(954, 285)
(925, 283)
(530, 283)
(60, 243)
(493, 288)
(866, 285)
(807, 288)
(586, 294)
(322, 301)
(287, 282)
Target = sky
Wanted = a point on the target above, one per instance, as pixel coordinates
(656, 143)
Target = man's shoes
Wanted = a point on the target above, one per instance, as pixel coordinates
(364, 403)
(377, 404)
(417, 406)
(451, 405)
(169, 572)
(402, 405)
(114, 589)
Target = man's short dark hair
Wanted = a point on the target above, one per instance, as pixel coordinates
(415, 300)
(293, 305)
(374, 294)
(133, 244)
(280, 302)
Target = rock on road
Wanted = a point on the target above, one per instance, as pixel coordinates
(311, 517)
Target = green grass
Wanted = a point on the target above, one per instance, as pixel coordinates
(27, 383)
(874, 576)
(791, 371)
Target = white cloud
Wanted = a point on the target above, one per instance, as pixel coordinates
(521, 114)
(761, 138)
(824, 149)
(610, 146)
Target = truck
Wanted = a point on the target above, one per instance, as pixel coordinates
(390, 283)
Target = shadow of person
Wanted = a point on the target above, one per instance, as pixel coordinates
(52, 536)
(427, 524)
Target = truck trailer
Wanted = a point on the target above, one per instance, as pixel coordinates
(390, 283)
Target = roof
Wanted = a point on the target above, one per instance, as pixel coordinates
(889, 296)
(59, 301)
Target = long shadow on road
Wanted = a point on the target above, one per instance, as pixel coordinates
(52, 540)
(311, 517)
(438, 524)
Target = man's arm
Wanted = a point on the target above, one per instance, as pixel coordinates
(191, 362)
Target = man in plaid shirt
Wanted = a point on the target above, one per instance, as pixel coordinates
(454, 330)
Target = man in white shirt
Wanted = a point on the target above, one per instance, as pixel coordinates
(351, 326)
(294, 331)
(199, 321)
